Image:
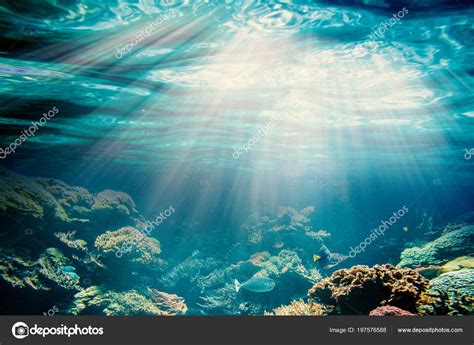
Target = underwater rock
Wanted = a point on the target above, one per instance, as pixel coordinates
(299, 308)
(96, 300)
(170, 303)
(388, 310)
(131, 244)
(449, 294)
(449, 246)
(360, 289)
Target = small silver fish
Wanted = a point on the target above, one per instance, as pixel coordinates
(256, 284)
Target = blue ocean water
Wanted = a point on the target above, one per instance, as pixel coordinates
(227, 109)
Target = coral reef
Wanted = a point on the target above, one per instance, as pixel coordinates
(170, 303)
(131, 244)
(289, 228)
(20, 272)
(43, 203)
(96, 300)
(42, 274)
(68, 239)
(449, 294)
(457, 264)
(112, 203)
(388, 310)
(299, 308)
(450, 245)
(51, 262)
(360, 289)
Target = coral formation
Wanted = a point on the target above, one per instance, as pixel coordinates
(131, 244)
(450, 245)
(51, 262)
(299, 308)
(68, 239)
(19, 271)
(96, 300)
(388, 310)
(360, 289)
(449, 294)
(172, 304)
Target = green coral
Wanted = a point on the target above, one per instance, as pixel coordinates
(51, 262)
(130, 243)
(449, 294)
(20, 272)
(113, 303)
(68, 239)
(449, 246)
(24, 197)
(110, 200)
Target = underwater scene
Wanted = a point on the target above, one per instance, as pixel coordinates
(236, 157)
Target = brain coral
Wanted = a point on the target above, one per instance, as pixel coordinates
(360, 289)
(449, 294)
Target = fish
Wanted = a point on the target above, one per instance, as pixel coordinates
(325, 259)
(405, 228)
(279, 244)
(256, 284)
(73, 275)
(68, 269)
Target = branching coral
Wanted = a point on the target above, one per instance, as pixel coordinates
(190, 270)
(360, 289)
(51, 262)
(130, 243)
(170, 303)
(68, 239)
(299, 308)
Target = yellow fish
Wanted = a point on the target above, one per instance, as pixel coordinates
(316, 257)
(405, 228)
